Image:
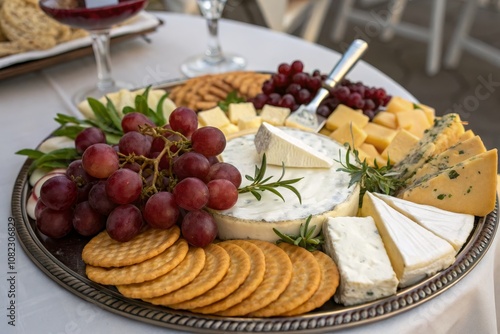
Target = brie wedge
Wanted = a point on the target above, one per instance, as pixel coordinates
(365, 270)
(283, 148)
(415, 252)
(453, 227)
(325, 192)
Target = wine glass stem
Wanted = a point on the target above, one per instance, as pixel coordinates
(100, 44)
(213, 54)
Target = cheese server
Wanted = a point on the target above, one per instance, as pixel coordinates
(305, 117)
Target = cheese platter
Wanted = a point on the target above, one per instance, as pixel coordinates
(61, 259)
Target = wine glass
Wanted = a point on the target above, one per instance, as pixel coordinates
(213, 60)
(97, 17)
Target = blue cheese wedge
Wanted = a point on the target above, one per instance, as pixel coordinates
(445, 132)
(415, 252)
(453, 227)
(325, 192)
(365, 270)
(467, 187)
(283, 148)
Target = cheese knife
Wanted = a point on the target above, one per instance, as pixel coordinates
(305, 117)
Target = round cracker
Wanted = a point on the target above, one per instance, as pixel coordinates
(102, 251)
(10, 48)
(329, 282)
(175, 279)
(216, 266)
(305, 281)
(239, 269)
(276, 279)
(252, 282)
(143, 271)
(27, 17)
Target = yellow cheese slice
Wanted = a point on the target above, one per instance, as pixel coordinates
(444, 133)
(452, 156)
(467, 187)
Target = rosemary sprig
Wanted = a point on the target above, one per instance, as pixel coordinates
(304, 239)
(378, 179)
(260, 183)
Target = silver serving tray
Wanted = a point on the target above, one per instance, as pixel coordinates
(61, 261)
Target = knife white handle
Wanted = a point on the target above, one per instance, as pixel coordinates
(355, 51)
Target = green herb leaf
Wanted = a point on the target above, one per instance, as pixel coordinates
(232, 97)
(159, 110)
(70, 131)
(370, 178)
(304, 239)
(32, 154)
(261, 184)
(54, 159)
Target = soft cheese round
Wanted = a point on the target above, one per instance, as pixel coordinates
(325, 192)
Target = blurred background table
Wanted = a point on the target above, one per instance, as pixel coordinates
(28, 104)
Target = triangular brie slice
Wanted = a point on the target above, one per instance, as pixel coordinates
(282, 148)
(453, 227)
(414, 251)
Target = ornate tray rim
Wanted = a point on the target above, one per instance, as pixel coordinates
(315, 322)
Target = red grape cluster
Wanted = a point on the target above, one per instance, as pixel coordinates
(291, 87)
(158, 176)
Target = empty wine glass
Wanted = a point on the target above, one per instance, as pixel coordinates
(97, 17)
(213, 60)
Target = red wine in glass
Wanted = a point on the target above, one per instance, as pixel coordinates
(97, 17)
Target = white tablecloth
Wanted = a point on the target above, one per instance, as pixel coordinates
(28, 104)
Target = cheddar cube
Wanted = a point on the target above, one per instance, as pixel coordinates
(345, 115)
(229, 129)
(429, 112)
(274, 115)
(249, 122)
(213, 117)
(387, 119)
(369, 153)
(349, 133)
(369, 149)
(240, 110)
(415, 121)
(397, 104)
(378, 135)
(324, 131)
(400, 146)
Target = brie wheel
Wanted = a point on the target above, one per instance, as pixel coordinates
(325, 192)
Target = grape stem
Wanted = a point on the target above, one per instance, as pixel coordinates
(146, 164)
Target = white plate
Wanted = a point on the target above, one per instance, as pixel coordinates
(143, 21)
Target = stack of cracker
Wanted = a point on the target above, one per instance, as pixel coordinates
(249, 278)
(206, 91)
(25, 27)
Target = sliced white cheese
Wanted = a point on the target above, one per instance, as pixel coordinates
(415, 252)
(55, 143)
(365, 270)
(283, 148)
(325, 192)
(453, 227)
